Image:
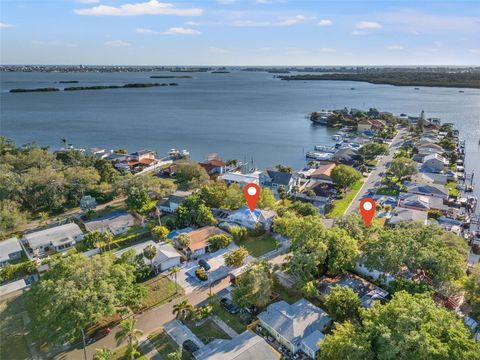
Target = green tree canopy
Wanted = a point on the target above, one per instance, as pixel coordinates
(255, 286)
(194, 212)
(236, 258)
(371, 150)
(342, 304)
(76, 292)
(472, 286)
(403, 167)
(344, 176)
(191, 173)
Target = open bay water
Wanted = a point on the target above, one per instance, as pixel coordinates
(236, 115)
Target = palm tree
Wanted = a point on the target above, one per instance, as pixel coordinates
(183, 309)
(108, 239)
(103, 354)
(128, 332)
(174, 271)
(149, 252)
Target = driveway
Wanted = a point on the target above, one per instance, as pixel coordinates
(373, 179)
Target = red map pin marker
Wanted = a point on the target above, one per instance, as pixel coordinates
(252, 192)
(367, 209)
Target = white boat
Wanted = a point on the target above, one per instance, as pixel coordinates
(337, 137)
(326, 149)
(320, 156)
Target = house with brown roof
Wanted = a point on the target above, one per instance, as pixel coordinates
(370, 124)
(199, 240)
(322, 173)
(214, 166)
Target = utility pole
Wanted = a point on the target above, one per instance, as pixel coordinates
(84, 345)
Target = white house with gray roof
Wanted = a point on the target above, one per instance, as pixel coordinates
(54, 239)
(293, 325)
(274, 180)
(246, 346)
(10, 249)
(165, 258)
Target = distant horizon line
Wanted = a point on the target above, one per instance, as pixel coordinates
(230, 66)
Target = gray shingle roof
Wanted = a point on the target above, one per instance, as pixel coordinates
(295, 322)
(57, 235)
(9, 246)
(279, 177)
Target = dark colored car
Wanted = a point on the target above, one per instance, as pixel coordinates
(229, 306)
(204, 264)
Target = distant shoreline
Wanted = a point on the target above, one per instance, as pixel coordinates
(400, 79)
(97, 87)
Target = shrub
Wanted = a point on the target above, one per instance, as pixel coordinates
(258, 231)
(201, 274)
(12, 272)
(239, 233)
(219, 241)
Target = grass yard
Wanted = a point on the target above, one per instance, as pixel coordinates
(231, 320)
(207, 331)
(452, 188)
(163, 343)
(13, 343)
(257, 246)
(289, 295)
(160, 290)
(340, 206)
(387, 191)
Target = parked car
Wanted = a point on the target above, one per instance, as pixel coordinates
(203, 263)
(229, 306)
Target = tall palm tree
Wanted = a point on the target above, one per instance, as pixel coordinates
(108, 239)
(128, 332)
(182, 310)
(103, 354)
(174, 271)
(149, 252)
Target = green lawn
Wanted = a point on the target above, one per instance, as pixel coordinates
(13, 343)
(257, 246)
(207, 331)
(340, 206)
(387, 191)
(163, 343)
(452, 188)
(231, 320)
(160, 290)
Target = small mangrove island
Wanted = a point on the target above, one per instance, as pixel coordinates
(68, 82)
(170, 77)
(95, 87)
(470, 79)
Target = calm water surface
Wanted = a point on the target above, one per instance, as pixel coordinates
(236, 115)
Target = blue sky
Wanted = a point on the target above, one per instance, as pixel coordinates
(242, 32)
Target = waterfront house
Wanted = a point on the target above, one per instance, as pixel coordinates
(168, 171)
(275, 180)
(240, 178)
(97, 152)
(428, 149)
(10, 250)
(346, 156)
(402, 215)
(199, 240)
(426, 177)
(250, 219)
(420, 202)
(370, 125)
(54, 239)
(246, 346)
(322, 173)
(439, 191)
(165, 258)
(214, 166)
(117, 223)
(367, 292)
(116, 157)
(144, 156)
(434, 162)
(173, 202)
(291, 325)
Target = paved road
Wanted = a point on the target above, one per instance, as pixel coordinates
(374, 177)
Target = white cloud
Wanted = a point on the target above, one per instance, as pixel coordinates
(475, 51)
(283, 21)
(181, 31)
(116, 43)
(146, 31)
(217, 50)
(368, 25)
(395, 47)
(328, 50)
(325, 22)
(152, 7)
(192, 23)
(227, 2)
(53, 43)
(88, 1)
(4, 26)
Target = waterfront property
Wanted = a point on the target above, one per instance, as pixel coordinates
(117, 223)
(276, 180)
(292, 325)
(246, 346)
(241, 179)
(439, 191)
(400, 215)
(10, 250)
(51, 240)
(434, 162)
(214, 166)
(421, 202)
